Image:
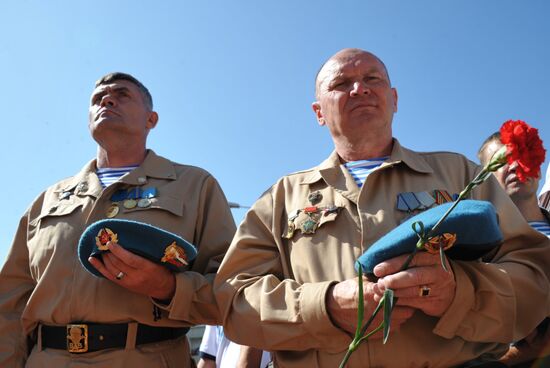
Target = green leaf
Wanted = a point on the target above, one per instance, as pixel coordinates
(388, 309)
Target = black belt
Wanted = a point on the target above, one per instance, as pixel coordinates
(87, 337)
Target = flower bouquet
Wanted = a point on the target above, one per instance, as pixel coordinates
(521, 144)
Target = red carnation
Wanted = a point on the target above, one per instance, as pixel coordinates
(523, 146)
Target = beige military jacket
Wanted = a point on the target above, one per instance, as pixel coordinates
(43, 282)
(272, 290)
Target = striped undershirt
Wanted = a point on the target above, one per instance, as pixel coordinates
(360, 169)
(108, 175)
(542, 226)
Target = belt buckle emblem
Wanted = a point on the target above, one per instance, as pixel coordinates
(77, 338)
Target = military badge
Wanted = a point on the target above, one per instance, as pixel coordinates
(129, 203)
(413, 202)
(308, 219)
(314, 197)
(105, 236)
(309, 226)
(144, 203)
(442, 196)
(445, 241)
(112, 211)
(175, 255)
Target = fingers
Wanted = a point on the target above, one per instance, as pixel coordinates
(102, 269)
(116, 261)
(393, 265)
(433, 276)
(127, 258)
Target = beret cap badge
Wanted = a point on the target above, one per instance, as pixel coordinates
(104, 236)
(175, 255)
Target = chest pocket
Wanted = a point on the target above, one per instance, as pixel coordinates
(56, 230)
(55, 212)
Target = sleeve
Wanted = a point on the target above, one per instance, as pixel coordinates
(209, 344)
(505, 297)
(262, 305)
(16, 285)
(194, 300)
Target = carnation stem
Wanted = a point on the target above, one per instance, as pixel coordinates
(493, 165)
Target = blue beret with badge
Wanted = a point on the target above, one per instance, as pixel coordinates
(472, 226)
(145, 240)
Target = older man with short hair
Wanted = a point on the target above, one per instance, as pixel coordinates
(288, 283)
(53, 312)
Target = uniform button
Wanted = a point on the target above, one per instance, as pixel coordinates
(141, 180)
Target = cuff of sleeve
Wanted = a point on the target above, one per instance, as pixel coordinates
(316, 318)
(461, 305)
(179, 298)
(160, 304)
(179, 307)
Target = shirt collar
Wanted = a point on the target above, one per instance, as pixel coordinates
(86, 181)
(399, 154)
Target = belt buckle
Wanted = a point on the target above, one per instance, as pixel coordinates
(77, 338)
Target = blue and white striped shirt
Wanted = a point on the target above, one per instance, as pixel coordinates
(542, 226)
(360, 169)
(108, 175)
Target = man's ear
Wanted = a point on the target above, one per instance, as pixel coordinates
(152, 120)
(395, 98)
(316, 106)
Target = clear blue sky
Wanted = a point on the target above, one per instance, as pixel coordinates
(232, 81)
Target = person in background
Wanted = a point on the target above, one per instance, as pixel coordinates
(544, 197)
(524, 352)
(53, 312)
(217, 351)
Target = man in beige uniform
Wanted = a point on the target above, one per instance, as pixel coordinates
(43, 287)
(288, 282)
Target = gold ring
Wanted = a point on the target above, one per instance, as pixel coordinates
(119, 275)
(424, 291)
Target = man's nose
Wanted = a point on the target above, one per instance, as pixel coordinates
(513, 166)
(359, 88)
(108, 100)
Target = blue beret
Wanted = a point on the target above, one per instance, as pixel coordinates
(475, 224)
(145, 240)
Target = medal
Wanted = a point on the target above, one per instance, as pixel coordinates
(112, 211)
(309, 226)
(129, 203)
(144, 203)
(291, 229)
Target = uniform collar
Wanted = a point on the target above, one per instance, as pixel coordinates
(153, 166)
(86, 181)
(413, 160)
(337, 176)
